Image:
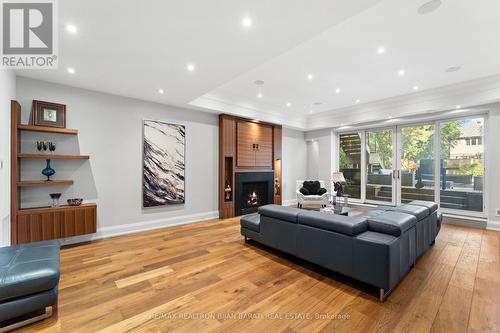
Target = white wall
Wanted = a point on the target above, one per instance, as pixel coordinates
(321, 146)
(7, 93)
(110, 131)
(492, 156)
(312, 159)
(294, 163)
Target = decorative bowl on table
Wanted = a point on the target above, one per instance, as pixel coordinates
(75, 202)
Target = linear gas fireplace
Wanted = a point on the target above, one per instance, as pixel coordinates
(253, 189)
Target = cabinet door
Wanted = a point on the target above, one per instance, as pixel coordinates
(264, 155)
(246, 136)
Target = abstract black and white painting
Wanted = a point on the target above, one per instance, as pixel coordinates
(163, 163)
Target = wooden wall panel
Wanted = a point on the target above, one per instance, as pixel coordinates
(236, 139)
(246, 137)
(264, 155)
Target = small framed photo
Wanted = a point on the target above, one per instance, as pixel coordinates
(48, 114)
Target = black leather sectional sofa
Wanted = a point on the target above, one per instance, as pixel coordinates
(378, 248)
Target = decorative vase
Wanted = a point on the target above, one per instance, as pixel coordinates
(55, 199)
(48, 171)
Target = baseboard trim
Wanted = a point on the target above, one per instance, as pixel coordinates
(493, 225)
(124, 229)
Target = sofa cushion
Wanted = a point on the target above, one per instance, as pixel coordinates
(251, 222)
(28, 269)
(342, 224)
(391, 223)
(432, 206)
(280, 212)
(304, 190)
(376, 237)
(419, 212)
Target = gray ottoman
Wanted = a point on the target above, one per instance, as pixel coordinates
(29, 275)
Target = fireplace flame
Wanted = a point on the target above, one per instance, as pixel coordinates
(253, 199)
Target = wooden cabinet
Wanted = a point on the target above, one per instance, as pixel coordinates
(254, 145)
(39, 224)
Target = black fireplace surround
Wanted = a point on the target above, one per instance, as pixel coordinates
(252, 189)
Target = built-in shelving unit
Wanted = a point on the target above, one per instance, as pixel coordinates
(43, 223)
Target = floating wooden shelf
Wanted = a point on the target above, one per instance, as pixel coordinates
(31, 183)
(47, 129)
(54, 156)
(53, 209)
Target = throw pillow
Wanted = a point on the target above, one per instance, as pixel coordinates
(315, 187)
(304, 191)
(322, 191)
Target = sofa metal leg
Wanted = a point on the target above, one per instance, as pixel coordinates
(48, 313)
(382, 294)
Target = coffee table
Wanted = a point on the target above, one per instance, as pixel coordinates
(337, 210)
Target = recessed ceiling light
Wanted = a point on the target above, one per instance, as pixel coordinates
(452, 69)
(310, 111)
(259, 82)
(390, 117)
(381, 50)
(458, 107)
(337, 91)
(160, 91)
(71, 70)
(71, 29)
(429, 7)
(246, 22)
(358, 100)
(415, 87)
(309, 77)
(259, 95)
(288, 104)
(401, 72)
(190, 67)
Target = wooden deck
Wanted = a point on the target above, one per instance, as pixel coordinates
(202, 277)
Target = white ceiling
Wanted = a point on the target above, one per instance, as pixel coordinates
(133, 48)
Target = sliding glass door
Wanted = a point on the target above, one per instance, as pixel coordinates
(461, 176)
(440, 161)
(416, 179)
(379, 165)
(350, 163)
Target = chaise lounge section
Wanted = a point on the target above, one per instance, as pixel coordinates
(378, 248)
(29, 276)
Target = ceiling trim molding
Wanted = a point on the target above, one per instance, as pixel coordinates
(212, 104)
(466, 94)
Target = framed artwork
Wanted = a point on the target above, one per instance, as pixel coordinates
(48, 114)
(163, 165)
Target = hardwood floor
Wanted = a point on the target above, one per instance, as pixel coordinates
(196, 277)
